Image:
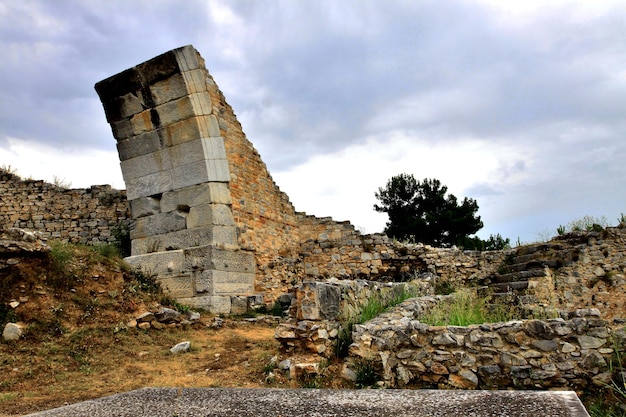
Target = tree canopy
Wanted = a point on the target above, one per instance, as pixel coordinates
(421, 211)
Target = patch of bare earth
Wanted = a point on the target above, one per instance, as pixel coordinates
(76, 344)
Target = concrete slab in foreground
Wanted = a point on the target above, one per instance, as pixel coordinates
(191, 402)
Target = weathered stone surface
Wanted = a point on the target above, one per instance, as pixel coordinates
(225, 282)
(178, 285)
(214, 258)
(158, 224)
(191, 129)
(12, 331)
(210, 214)
(149, 185)
(139, 145)
(181, 347)
(196, 402)
(145, 206)
(465, 379)
(545, 345)
(144, 165)
(160, 263)
(195, 195)
(200, 236)
(216, 304)
(590, 342)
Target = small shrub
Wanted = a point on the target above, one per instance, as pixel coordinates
(107, 250)
(121, 233)
(278, 309)
(62, 262)
(366, 373)
(144, 282)
(344, 340)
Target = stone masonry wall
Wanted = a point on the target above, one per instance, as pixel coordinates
(266, 219)
(336, 249)
(571, 352)
(73, 215)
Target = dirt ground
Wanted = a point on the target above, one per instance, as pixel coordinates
(77, 344)
(50, 374)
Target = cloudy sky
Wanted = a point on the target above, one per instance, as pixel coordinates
(520, 105)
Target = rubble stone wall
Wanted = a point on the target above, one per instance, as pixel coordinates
(72, 215)
(571, 352)
(320, 311)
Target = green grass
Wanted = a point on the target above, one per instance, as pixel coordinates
(464, 309)
(372, 308)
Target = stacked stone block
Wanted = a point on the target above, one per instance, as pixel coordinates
(177, 176)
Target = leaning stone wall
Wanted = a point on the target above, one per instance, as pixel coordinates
(265, 218)
(72, 215)
(571, 352)
(177, 176)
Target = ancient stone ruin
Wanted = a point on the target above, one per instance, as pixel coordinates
(177, 177)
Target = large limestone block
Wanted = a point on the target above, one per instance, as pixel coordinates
(192, 128)
(145, 206)
(185, 107)
(195, 80)
(158, 224)
(177, 286)
(161, 263)
(134, 80)
(142, 122)
(198, 150)
(139, 145)
(201, 171)
(225, 282)
(221, 259)
(210, 214)
(130, 104)
(196, 195)
(122, 129)
(143, 165)
(212, 303)
(149, 185)
(214, 235)
(169, 89)
(188, 58)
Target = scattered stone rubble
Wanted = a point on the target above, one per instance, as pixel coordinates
(163, 318)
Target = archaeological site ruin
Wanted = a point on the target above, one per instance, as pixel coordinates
(206, 217)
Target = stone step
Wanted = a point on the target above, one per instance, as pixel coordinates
(530, 264)
(509, 286)
(518, 276)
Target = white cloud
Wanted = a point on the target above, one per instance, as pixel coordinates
(79, 169)
(342, 185)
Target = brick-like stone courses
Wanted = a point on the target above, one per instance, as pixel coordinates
(265, 217)
(335, 249)
(72, 215)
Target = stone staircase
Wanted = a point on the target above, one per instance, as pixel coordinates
(525, 269)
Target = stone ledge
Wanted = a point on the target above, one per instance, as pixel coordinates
(191, 402)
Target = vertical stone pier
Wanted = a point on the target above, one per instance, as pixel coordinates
(177, 178)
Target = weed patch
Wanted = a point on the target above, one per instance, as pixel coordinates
(466, 308)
